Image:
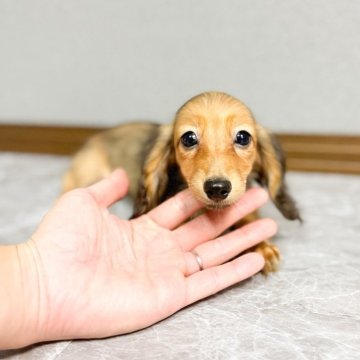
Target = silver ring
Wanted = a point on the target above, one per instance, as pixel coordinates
(198, 260)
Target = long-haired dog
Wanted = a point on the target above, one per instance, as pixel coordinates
(214, 147)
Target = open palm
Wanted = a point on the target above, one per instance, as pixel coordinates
(100, 275)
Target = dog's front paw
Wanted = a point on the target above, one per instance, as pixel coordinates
(271, 255)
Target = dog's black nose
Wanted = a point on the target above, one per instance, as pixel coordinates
(217, 189)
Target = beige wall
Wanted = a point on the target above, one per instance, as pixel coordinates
(100, 62)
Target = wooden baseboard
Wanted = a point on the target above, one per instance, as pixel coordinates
(324, 153)
(60, 140)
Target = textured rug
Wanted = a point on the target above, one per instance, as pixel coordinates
(309, 309)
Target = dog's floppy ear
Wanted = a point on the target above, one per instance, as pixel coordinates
(155, 177)
(269, 169)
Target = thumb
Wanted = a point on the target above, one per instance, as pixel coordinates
(110, 189)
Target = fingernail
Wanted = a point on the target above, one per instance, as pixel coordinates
(250, 264)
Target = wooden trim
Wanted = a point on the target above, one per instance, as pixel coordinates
(324, 153)
(305, 152)
(58, 140)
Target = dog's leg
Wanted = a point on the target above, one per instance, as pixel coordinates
(89, 165)
(269, 251)
(271, 254)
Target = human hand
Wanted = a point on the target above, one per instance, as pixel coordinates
(97, 275)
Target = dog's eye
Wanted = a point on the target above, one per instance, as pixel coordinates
(242, 138)
(189, 139)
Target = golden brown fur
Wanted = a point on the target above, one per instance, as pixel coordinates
(214, 147)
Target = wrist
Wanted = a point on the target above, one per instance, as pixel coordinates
(22, 316)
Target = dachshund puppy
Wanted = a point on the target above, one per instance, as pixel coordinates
(214, 147)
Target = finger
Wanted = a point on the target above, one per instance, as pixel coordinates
(228, 246)
(109, 190)
(209, 225)
(175, 210)
(210, 281)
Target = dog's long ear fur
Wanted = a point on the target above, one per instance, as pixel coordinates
(155, 177)
(269, 169)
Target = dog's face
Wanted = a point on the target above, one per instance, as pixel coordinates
(215, 144)
(214, 147)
